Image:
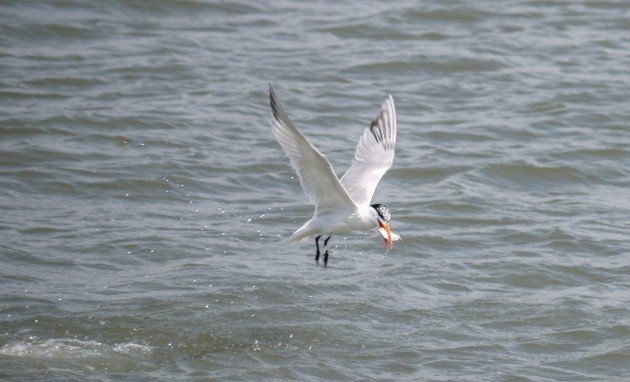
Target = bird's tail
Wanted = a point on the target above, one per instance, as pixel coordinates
(303, 232)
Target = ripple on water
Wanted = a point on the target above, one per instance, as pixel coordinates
(143, 199)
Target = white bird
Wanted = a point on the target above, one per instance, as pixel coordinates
(341, 205)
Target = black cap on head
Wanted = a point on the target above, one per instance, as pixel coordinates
(383, 212)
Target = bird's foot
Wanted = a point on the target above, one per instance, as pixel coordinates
(317, 247)
(326, 259)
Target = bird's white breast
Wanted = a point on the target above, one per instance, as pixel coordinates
(358, 220)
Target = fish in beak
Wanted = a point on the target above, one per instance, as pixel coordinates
(386, 231)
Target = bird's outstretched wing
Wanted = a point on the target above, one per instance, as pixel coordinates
(374, 155)
(316, 175)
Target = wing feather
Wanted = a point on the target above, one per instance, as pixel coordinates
(315, 173)
(374, 155)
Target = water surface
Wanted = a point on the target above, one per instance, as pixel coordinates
(143, 198)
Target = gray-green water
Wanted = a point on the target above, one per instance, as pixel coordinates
(142, 196)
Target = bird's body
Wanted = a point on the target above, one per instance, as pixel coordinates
(342, 221)
(341, 205)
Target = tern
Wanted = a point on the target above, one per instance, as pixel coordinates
(341, 205)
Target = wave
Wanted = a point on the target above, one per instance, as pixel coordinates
(72, 348)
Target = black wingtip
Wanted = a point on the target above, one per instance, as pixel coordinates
(376, 130)
(272, 93)
(273, 102)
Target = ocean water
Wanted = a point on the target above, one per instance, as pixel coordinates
(143, 199)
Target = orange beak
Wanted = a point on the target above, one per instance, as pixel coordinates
(389, 243)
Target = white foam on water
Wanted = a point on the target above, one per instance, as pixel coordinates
(132, 348)
(72, 348)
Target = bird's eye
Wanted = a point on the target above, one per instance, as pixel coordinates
(382, 212)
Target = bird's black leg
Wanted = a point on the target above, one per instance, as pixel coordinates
(326, 253)
(317, 245)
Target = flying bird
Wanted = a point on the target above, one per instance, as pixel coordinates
(341, 205)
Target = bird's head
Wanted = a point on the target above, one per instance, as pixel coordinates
(382, 217)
